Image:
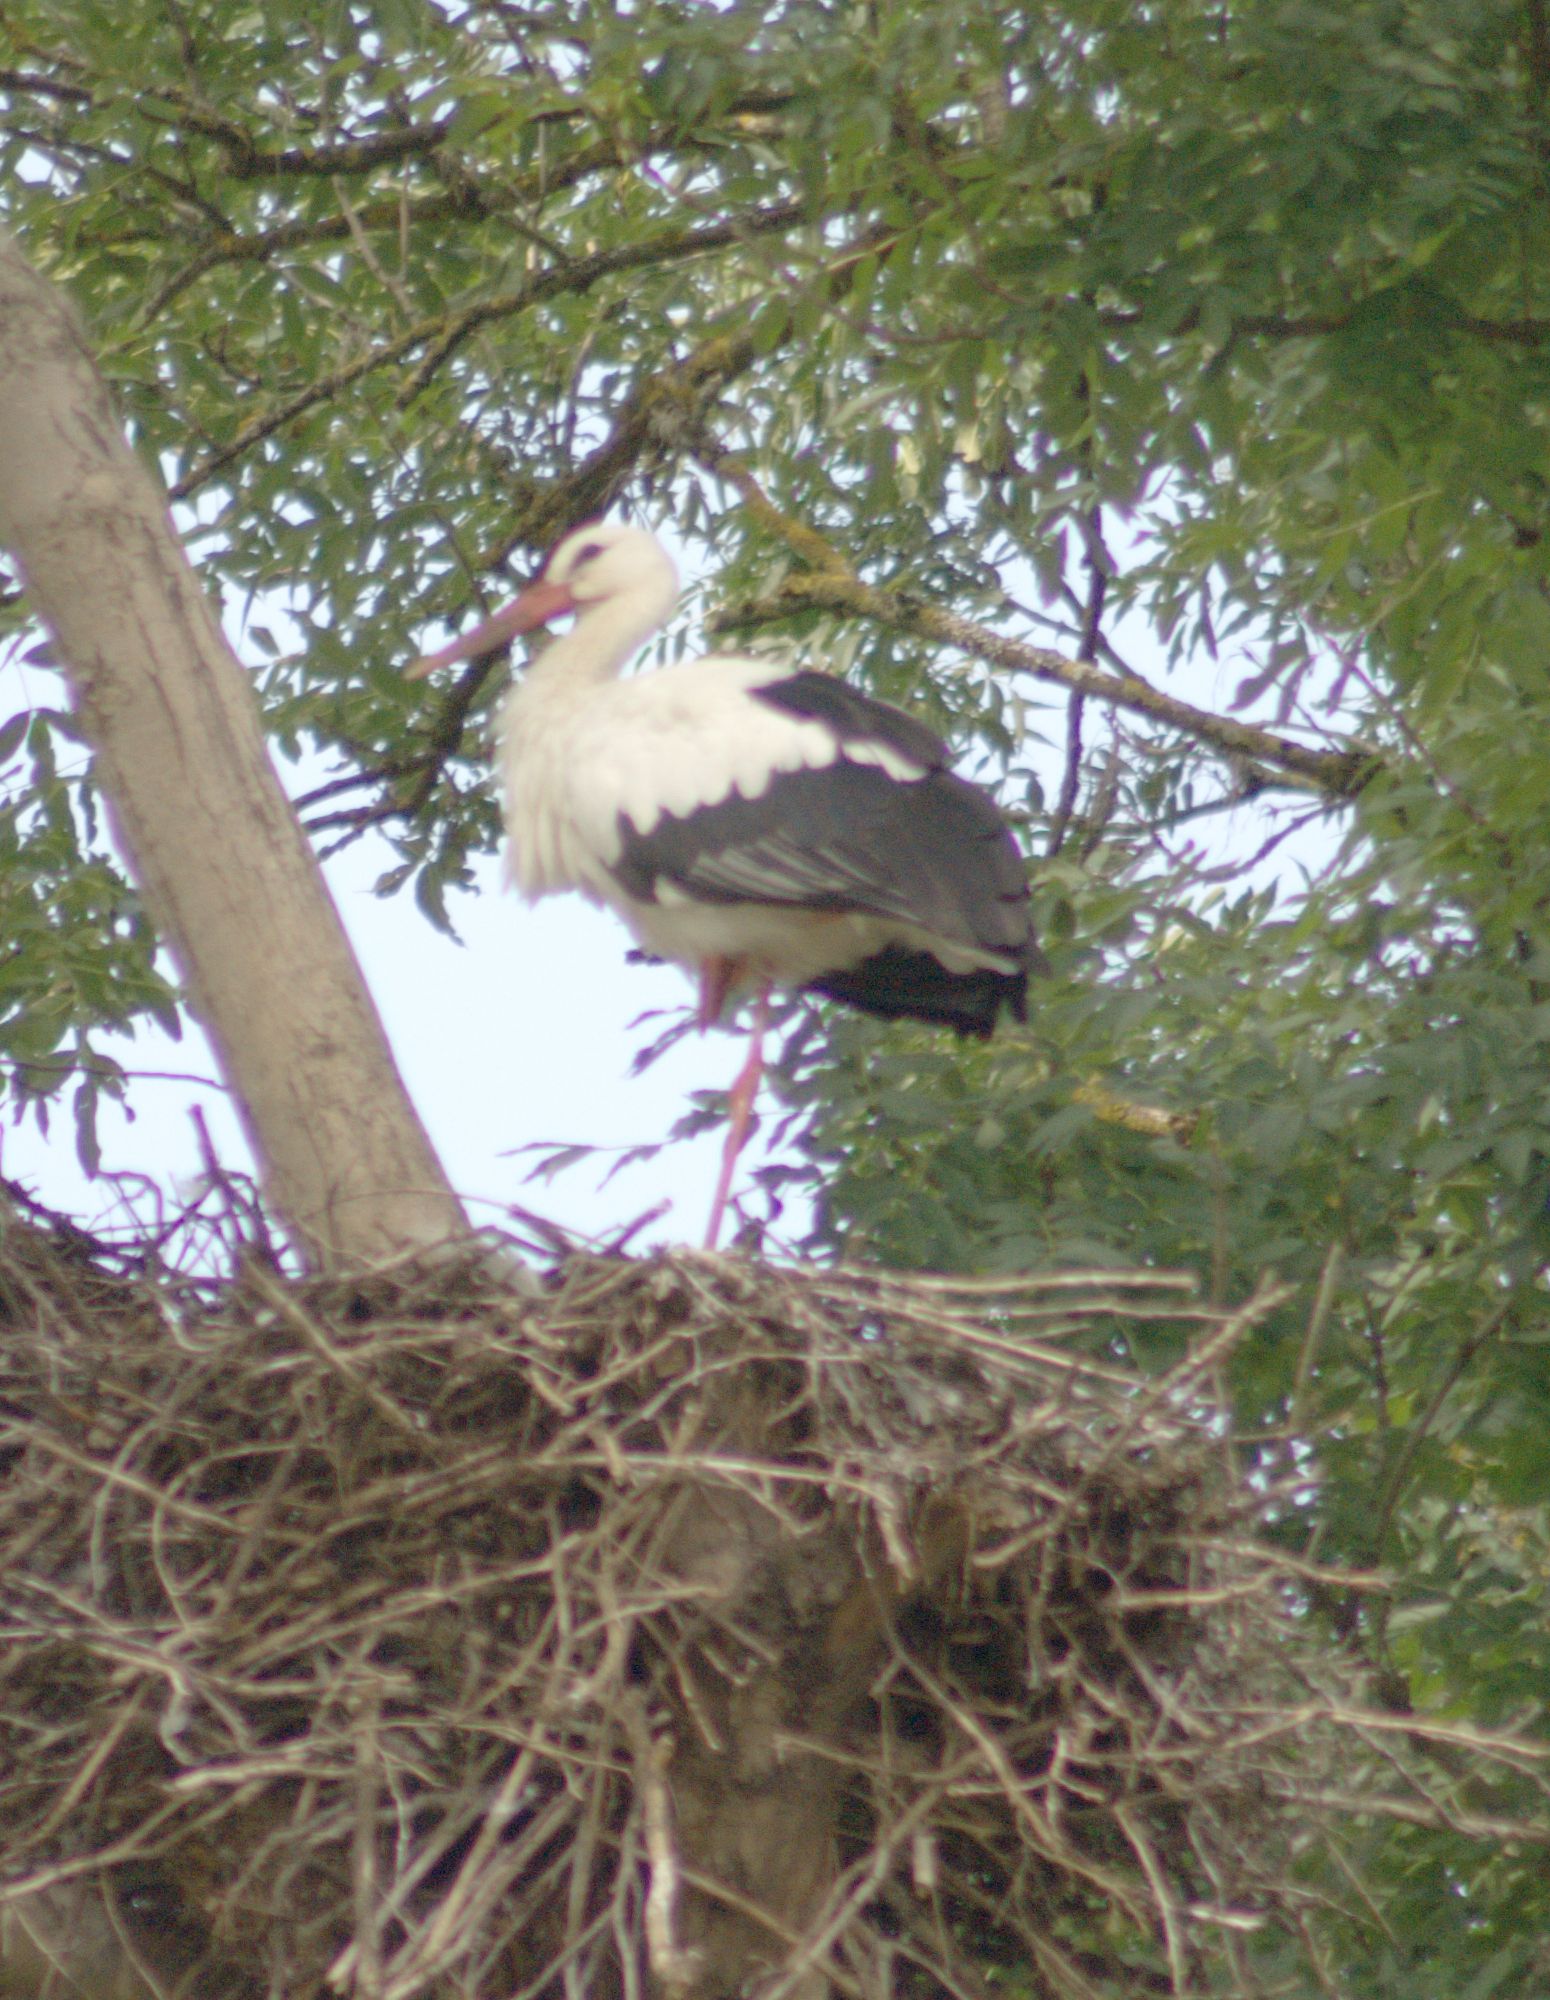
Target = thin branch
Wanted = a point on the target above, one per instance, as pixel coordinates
(42, 86)
(247, 160)
(1453, 1374)
(828, 582)
(813, 548)
(1098, 566)
(584, 272)
(468, 201)
(1340, 773)
(1231, 871)
(445, 332)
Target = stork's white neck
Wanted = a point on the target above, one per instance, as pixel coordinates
(606, 635)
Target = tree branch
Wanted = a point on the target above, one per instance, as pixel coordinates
(584, 272)
(829, 583)
(446, 332)
(247, 160)
(198, 808)
(32, 84)
(1338, 773)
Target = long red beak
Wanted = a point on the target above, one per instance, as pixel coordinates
(536, 606)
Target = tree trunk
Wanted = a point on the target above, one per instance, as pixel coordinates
(197, 807)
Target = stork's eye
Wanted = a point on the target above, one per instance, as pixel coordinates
(587, 551)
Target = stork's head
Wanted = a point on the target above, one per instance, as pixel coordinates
(607, 559)
(600, 563)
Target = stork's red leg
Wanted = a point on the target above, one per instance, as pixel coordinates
(740, 1101)
(717, 978)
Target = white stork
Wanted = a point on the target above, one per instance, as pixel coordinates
(758, 825)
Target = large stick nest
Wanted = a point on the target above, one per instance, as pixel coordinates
(696, 1628)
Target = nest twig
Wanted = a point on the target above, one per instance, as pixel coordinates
(697, 1628)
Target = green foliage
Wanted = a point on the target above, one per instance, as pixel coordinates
(1251, 301)
(78, 953)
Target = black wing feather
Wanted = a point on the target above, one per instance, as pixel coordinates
(854, 717)
(849, 839)
(899, 982)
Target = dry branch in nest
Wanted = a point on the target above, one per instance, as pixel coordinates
(698, 1629)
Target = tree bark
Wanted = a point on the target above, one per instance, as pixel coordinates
(197, 807)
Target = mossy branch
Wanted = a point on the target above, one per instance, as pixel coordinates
(1339, 773)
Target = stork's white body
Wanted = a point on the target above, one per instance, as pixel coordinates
(670, 744)
(760, 826)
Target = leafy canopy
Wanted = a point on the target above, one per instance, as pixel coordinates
(1219, 333)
